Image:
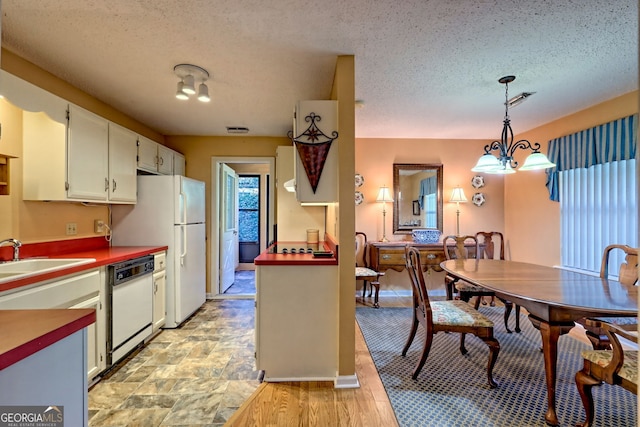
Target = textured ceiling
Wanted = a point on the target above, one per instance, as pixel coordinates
(424, 68)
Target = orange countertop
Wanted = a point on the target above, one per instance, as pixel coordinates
(102, 255)
(25, 332)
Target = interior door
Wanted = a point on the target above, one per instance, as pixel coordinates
(229, 226)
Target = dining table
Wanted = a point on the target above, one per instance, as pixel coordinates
(554, 298)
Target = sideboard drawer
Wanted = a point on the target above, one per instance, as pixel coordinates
(388, 258)
(391, 255)
(432, 257)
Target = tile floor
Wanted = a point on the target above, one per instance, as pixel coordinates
(195, 375)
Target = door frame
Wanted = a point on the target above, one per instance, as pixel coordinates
(214, 244)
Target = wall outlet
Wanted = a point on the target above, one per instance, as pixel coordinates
(72, 228)
(98, 226)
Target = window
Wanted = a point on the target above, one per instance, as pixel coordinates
(249, 208)
(595, 183)
(598, 207)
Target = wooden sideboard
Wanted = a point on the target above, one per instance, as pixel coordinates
(390, 255)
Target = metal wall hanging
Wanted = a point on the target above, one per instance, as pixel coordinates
(313, 148)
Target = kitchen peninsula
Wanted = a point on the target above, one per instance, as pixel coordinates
(297, 311)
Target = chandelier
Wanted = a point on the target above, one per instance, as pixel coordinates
(505, 163)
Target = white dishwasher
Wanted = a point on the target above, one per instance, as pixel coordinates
(130, 293)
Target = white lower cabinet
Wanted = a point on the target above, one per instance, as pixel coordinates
(82, 290)
(159, 290)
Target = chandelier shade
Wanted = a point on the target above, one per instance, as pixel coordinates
(504, 163)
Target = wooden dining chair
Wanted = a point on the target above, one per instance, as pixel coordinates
(491, 246)
(627, 275)
(615, 366)
(445, 316)
(462, 247)
(363, 272)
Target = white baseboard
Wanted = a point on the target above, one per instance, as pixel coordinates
(346, 381)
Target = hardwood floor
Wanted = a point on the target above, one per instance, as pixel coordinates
(319, 403)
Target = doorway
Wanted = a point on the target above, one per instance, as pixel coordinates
(255, 213)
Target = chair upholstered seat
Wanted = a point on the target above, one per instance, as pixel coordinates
(458, 313)
(467, 287)
(365, 272)
(629, 369)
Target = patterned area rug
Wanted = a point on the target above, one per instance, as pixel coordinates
(452, 389)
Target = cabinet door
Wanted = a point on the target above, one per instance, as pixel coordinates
(96, 339)
(122, 164)
(159, 309)
(88, 151)
(179, 164)
(165, 160)
(147, 154)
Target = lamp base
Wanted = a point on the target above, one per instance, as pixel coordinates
(384, 239)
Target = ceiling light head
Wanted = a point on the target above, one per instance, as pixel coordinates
(504, 163)
(203, 93)
(189, 74)
(188, 85)
(180, 93)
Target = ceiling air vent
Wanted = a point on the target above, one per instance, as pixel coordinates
(237, 129)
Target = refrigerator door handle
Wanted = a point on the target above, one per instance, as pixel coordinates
(183, 251)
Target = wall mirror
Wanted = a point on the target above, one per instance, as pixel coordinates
(417, 197)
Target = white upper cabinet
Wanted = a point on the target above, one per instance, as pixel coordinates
(179, 164)
(147, 155)
(88, 162)
(154, 158)
(165, 160)
(122, 164)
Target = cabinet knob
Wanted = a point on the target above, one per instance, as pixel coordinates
(384, 256)
(106, 184)
(114, 184)
(431, 256)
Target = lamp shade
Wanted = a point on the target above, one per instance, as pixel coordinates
(486, 162)
(384, 195)
(457, 196)
(536, 161)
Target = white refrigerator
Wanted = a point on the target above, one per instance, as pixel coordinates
(170, 211)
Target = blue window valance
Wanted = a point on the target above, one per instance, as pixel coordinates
(610, 142)
(427, 186)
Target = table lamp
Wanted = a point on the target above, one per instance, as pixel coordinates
(384, 196)
(457, 196)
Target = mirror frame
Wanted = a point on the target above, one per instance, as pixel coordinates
(397, 167)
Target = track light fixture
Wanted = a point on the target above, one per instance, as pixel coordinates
(190, 74)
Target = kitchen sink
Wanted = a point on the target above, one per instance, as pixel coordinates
(13, 270)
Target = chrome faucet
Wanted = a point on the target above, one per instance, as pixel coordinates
(16, 247)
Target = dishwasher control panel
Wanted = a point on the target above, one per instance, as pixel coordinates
(128, 270)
